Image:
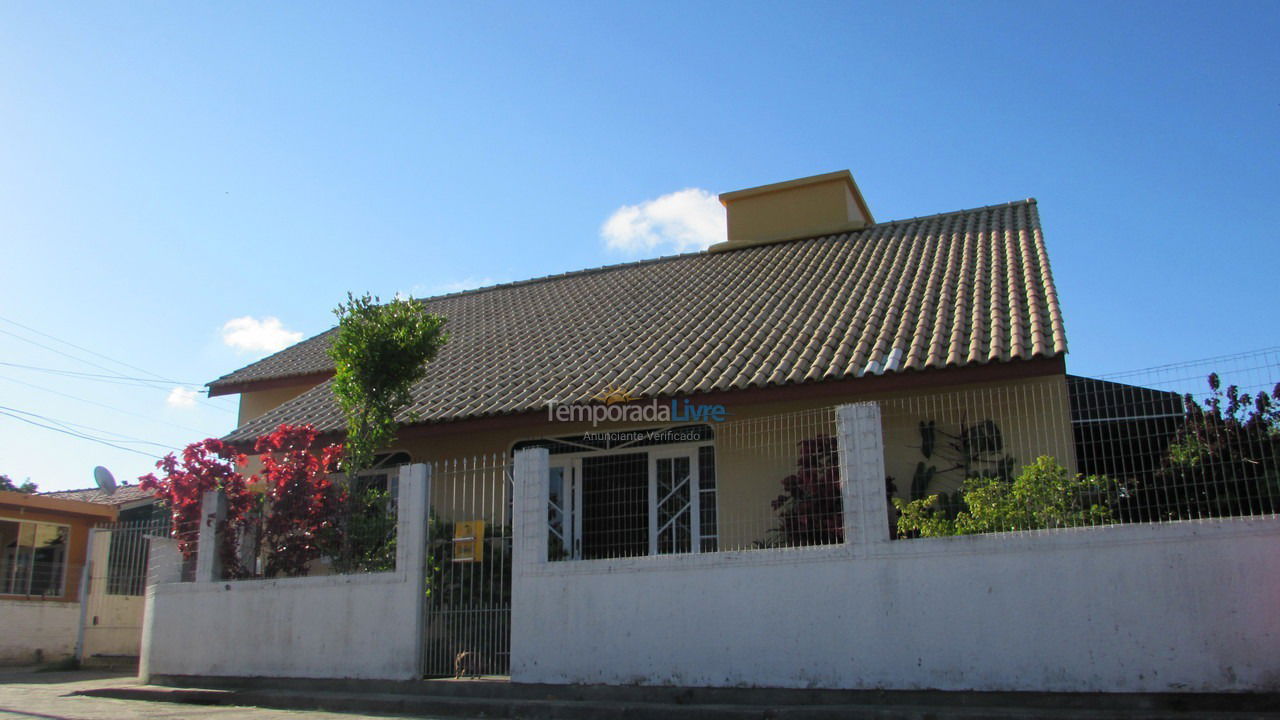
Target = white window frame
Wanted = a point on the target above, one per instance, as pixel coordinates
(571, 463)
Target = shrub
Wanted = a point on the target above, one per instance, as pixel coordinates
(1044, 495)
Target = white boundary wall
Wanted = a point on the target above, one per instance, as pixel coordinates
(333, 626)
(1187, 606)
(37, 631)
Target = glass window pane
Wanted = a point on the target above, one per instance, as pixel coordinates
(557, 543)
(9, 532)
(615, 506)
(49, 553)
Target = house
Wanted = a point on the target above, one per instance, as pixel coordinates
(132, 503)
(809, 302)
(43, 549)
(674, 472)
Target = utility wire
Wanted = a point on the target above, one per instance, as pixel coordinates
(116, 437)
(92, 376)
(102, 405)
(28, 328)
(77, 435)
(119, 378)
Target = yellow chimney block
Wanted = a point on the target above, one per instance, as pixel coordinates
(806, 207)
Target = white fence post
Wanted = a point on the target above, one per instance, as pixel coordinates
(530, 498)
(213, 510)
(95, 554)
(413, 514)
(411, 517)
(861, 449)
(530, 494)
(164, 565)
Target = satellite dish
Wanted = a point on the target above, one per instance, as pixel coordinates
(106, 482)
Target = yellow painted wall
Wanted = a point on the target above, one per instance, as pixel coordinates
(257, 403)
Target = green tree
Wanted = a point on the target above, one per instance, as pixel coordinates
(1044, 495)
(380, 351)
(27, 487)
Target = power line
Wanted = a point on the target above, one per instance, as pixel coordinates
(118, 437)
(76, 434)
(81, 348)
(114, 378)
(93, 376)
(101, 405)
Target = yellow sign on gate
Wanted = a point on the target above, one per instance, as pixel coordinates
(468, 541)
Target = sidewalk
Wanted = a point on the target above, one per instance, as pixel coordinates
(62, 696)
(27, 695)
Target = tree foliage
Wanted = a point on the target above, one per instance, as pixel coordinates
(28, 487)
(1224, 459)
(379, 352)
(1044, 495)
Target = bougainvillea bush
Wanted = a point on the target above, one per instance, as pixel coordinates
(302, 505)
(204, 466)
(810, 509)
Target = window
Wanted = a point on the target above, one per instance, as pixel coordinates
(33, 561)
(634, 492)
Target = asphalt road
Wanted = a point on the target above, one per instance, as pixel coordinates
(26, 695)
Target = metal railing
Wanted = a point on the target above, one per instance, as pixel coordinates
(1179, 442)
(467, 629)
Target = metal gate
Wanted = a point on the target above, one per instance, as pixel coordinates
(111, 613)
(467, 628)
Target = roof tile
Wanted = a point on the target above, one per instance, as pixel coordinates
(954, 289)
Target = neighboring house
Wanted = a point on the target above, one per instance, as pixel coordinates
(118, 569)
(808, 303)
(132, 502)
(43, 548)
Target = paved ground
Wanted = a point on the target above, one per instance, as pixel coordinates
(26, 695)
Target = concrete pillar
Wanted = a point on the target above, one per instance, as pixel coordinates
(95, 558)
(530, 496)
(861, 449)
(164, 565)
(213, 511)
(413, 511)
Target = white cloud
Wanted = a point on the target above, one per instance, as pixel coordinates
(249, 334)
(181, 397)
(685, 220)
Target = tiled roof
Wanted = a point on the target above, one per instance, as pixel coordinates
(123, 495)
(962, 288)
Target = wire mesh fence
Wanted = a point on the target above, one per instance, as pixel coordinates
(467, 628)
(348, 527)
(1178, 442)
(344, 526)
(756, 483)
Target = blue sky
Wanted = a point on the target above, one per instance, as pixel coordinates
(170, 167)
